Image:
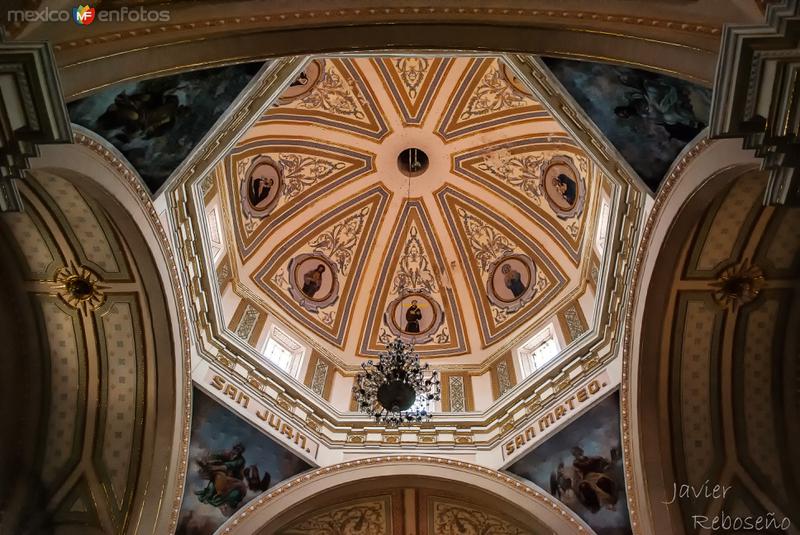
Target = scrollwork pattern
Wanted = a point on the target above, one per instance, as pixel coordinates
(334, 94)
(492, 94)
(338, 243)
(301, 171)
(486, 242)
(452, 519)
(412, 73)
(521, 171)
(414, 272)
(364, 518)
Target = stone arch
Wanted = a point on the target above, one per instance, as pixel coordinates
(511, 501)
(92, 306)
(669, 39)
(709, 366)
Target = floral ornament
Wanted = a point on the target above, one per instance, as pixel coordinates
(414, 271)
(519, 171)
(333, 94)
(492, 94)
(301, 171)
(80, 288)
(738, 285)
(338, 242)
(487, 244)
(412, 73)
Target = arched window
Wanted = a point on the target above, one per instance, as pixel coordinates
(538, 351)
(284, 351)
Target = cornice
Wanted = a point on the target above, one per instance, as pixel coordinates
(396, 14)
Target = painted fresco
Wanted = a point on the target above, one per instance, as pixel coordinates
(649, 117)
(231, 462)
(156, 123)
(582, 466)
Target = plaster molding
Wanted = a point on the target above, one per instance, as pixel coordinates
(757, 96)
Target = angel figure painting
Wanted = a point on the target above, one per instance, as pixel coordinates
(582, 467)
(230, 463)
(156, 123)
(648, 117)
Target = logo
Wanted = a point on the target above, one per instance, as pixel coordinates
(83, 15)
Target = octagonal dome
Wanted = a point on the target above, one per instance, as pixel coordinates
(432, 198)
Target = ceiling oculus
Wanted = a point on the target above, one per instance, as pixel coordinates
(412, 162)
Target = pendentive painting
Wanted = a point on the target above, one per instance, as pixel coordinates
(582, 466)
(230, 462)
(648, 117)
(156, 123)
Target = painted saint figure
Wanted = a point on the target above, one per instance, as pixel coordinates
(259, 189)
(225, 474)
(312, 281)
(567, 187)
(513, 280)
(595, 486)
(229, 480)
(413, 315)
(147, 115)
(300, 80)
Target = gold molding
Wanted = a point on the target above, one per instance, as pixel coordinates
(625, 400)
(135, 186)
(395, 14)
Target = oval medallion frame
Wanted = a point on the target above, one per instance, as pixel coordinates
(511, 303)
(305, 82)
(550, 182)
(267, 204)
(329, 284)
(433, 323)
(514, 81)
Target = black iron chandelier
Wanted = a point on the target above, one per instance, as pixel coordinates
(397, 389)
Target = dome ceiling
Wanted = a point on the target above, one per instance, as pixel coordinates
(467, 246)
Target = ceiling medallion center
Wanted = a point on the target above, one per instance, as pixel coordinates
(80, 288)
(412, 162)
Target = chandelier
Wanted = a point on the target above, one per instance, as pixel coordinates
(388, 389)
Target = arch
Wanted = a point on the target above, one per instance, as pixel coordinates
(665, 38)
(659, 430)
(108, 357)
(275, 509)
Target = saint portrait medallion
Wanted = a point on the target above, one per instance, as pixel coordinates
(261, 187)
(512, 282)
(304, 83)
(414, 317)
(313, 281)
(563, 187)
